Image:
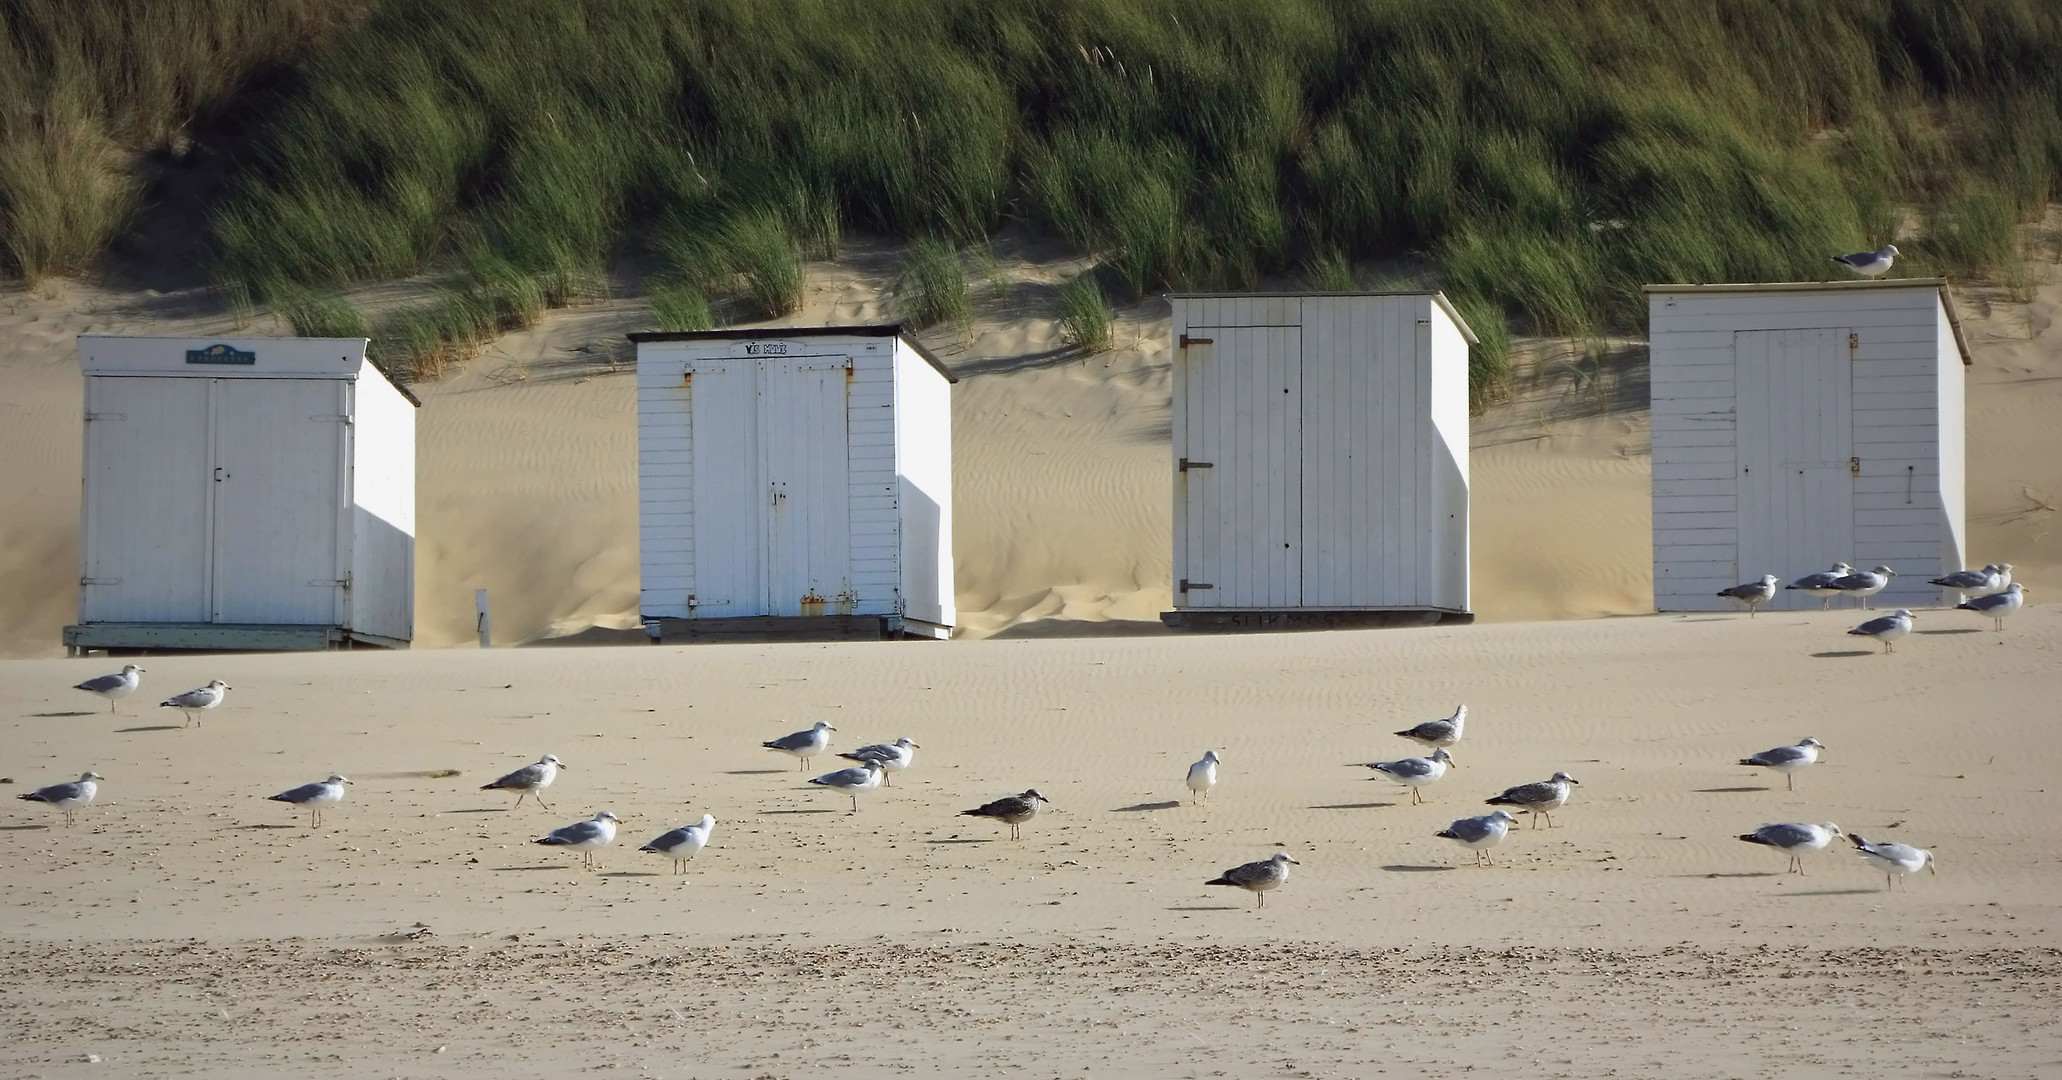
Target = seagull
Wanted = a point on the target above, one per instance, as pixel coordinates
(1438, 733)
(1203, 776)
(1754, 593)
(1865, 583)
(529, 780)
(894, 757)
(584, 836)
(114, 687)
(68, 797)
(1893, 859)
(1544, 797)
(1415, 773)
(314, 797)
(1998, 605)
(682, 844)
(853, 781)
(1788, 759)
(2004, 580)
(1972, 583)
(1821, 584)
(1794, 840)
(1869, 263)
(1012, 810)
(804, 744)
(1888, 628)
(1258, 878)
(197, 700)
(1479, 834)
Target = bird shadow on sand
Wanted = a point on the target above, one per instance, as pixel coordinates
(1208, 907)
(1704, 620)
(1136, 807)
(150, 727)
(1841, 653)
(260, 825)
(805, 811)
(1757, 873)
(484, 810)
(1353, 806)
(539, 866)
(631, 873)
(1963, 630)
(21, 828)
(1727, 790)
(1406, 868)
(757, 772)
(1834, 892)
(49, 715)
(954, 840)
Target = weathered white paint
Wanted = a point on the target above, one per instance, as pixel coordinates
(1326, 442)
(793, 473)
(1799, 424)
(279, 491)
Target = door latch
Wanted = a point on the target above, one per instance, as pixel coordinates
(1187, 341)
(1194, 586)
(1186, 465)
(221, 474)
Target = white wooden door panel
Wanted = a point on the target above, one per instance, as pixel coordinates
(147, 514)
(729, 498)
(1242, 490)
(804, 449)
(1795, 438)
(277, 478)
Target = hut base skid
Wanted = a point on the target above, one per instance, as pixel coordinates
(796, 628)
(243, 494)
(1243, 622)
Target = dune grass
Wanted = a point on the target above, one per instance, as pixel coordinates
(932, 288)
(1085, 316)
(1544, 157)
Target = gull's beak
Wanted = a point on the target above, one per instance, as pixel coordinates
(353, 783)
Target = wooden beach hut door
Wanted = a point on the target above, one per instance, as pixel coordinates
(1795, 405)
(1240, 467)
(279, 465)
(771, 532)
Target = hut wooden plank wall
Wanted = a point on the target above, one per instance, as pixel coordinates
(1799, 424)
(1321, 458)
(244, 493)
(798, 473)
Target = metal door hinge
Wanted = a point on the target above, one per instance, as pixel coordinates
(1854, 342)
(1194, 586)
(1187, 341)
(1186, 465)
(1854, 465)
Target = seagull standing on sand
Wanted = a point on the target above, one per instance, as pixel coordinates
(114, 687)
(1972, 583)
(1865, 583)
(1415, 773)
(1821, 584)
(853, 781)
(584, 836)
(1012, 810)
(1869, 263)
(1887, 629)
(1203, 776)
(197, 700)
(1438, 733)
(803, 745)
(1794, 840)
(1544, 797)
(1753, 594)
(1479, 834)
(682, 844)
(1894, 859)
(1998, 605)
(1788, 759)
(68, 797)
(894, 757)
(529, 780)
(314, 796)
(1258, 878)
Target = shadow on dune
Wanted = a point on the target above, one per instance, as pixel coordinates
(1352, 806)
(1727, 790)
(1135, 807)
(1406, 868)
(1843, 652)
(149, 727)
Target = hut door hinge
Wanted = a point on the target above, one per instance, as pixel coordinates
(1186, 465)
(1187, 341)
(1194, 586)
(1854, 344)
(1854, 465)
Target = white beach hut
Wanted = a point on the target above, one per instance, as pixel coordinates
(798, 473)
(1320, 460)
(244, 493)
(1796, 425)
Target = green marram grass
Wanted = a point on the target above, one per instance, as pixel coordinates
(1544, 158)
(1085, 315)
(933, 286)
